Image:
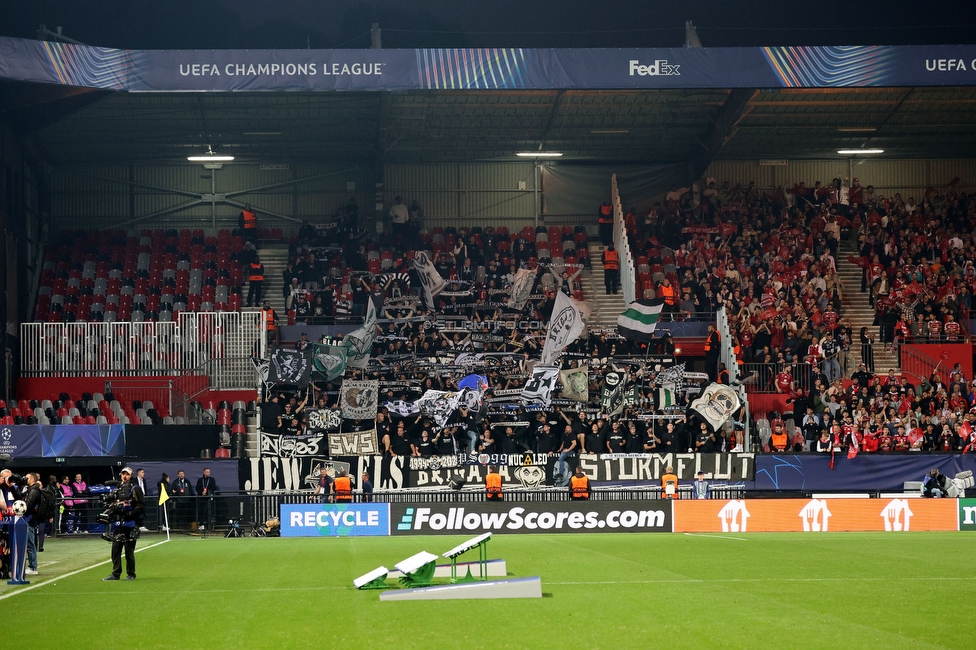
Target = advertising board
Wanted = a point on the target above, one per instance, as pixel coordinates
(544, 517)
(814, 515)
(335, 519)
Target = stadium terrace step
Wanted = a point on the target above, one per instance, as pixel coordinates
(274, 256)
(858, 312)
(605, 309)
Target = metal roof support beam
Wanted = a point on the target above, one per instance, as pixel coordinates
(726, 124)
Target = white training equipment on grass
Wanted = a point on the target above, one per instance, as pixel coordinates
(377, 573)
(491, 589)
(496, 569)
(415, 562)
(467, 546)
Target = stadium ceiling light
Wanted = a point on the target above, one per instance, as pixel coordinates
(538, 154)
(210, 157)
(609, 131)
(856, 129)
(855, 152)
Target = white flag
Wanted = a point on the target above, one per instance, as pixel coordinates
(565, 326)
(716, 405)
(359, 343)
(522, 287)
(540, 385)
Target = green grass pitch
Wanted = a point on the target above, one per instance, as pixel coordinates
(830, 590)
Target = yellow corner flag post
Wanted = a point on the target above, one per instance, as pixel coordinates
(163, 498)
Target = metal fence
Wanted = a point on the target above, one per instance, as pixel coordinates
(216, 343)
(761, 377)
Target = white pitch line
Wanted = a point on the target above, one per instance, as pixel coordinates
(72, 573)
(725, 580)
(741, 539)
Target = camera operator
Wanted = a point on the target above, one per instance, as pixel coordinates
(124, 515)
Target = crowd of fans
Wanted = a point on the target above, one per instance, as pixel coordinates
(768, 256)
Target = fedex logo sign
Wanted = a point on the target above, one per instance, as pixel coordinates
(660, 68)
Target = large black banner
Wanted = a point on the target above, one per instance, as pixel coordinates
(535, 470)
(301, 473)
(650, 467)
(544, 517)
(170, 441)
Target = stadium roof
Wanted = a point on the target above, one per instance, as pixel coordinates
(89, 105)
(79, 126)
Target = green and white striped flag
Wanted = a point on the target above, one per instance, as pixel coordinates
(665, 398)
(640, 320)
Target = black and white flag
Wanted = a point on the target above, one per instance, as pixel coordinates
(263, 367)
(359, 343)
(402, 408)
(671, 378)
(614, 384)
(716, 405)
(324, 419)
(430, 279)
(522, 287)
(439, 405)
(540, 385)
(357, 399)
(290, 367)
(565, 326)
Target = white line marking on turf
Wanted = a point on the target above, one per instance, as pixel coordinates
(72, 573)
(741, 539)
(696, 580)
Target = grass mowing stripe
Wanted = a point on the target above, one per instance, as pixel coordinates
(741, 539)
(71, 573)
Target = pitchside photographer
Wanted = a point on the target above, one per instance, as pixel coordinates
(124, 516)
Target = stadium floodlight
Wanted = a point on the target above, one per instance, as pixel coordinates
(857, 152)
(210, 157)
(538, 154)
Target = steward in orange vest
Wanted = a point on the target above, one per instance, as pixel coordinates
(255, 280)
(579, 486)
(669, 484)
(666, 291)
(247, 221)
(611, 270)
(606, 223)
(493, 484)
(342, 486)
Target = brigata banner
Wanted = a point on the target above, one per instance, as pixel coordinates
(335, 519)
(535, 470)
(486, 68)
(544, 517)
(814, 515)
(967, 514)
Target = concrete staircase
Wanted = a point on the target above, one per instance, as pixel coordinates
(857, 310)
(274, 256)
(604, 308)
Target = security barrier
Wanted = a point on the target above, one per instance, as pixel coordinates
(218, 343)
